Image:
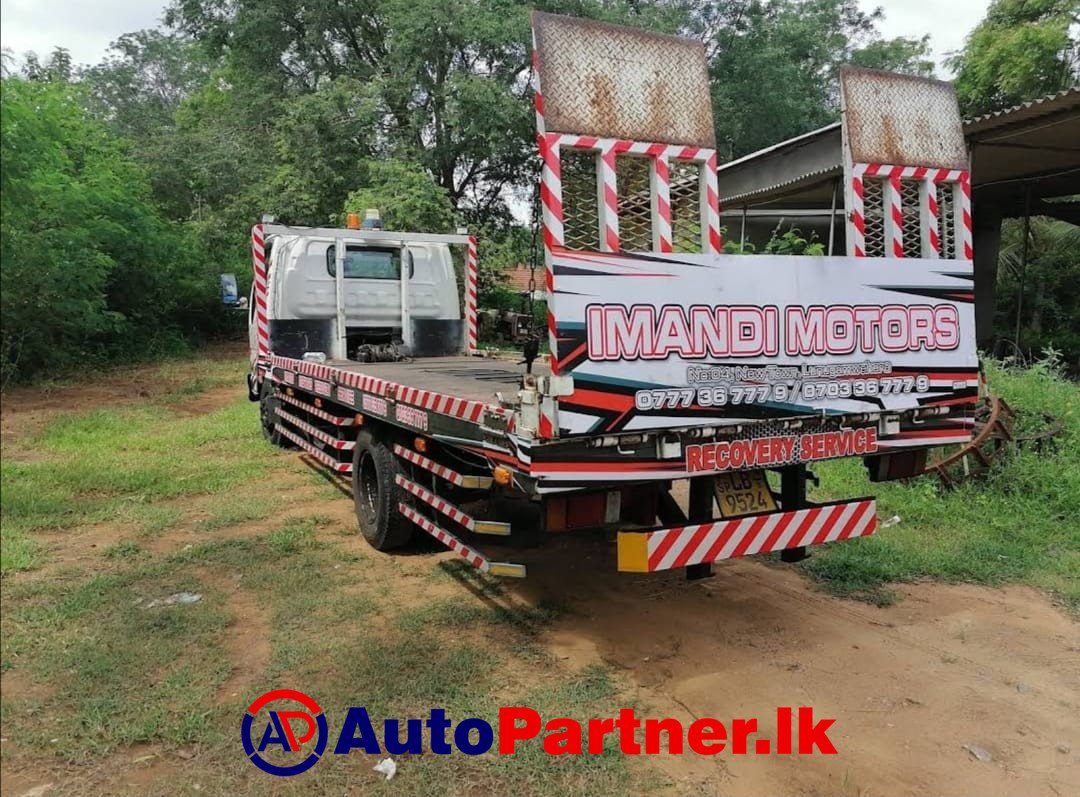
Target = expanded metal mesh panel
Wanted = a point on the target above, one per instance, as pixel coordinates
(635, 203)
(617, 82)
(685, 188)
(901, 120)
(874, 217)
(946, 221)
(581, 221)
(912, 226)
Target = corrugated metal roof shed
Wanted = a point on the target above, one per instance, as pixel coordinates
(1036, 141)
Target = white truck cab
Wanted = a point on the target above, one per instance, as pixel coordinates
(396, 296)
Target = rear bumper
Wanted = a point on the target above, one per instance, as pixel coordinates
(665, 549)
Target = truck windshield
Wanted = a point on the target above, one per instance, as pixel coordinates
(362, 262)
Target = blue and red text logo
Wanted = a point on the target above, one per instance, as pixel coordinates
(296, 738)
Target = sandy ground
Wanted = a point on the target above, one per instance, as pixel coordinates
(909, 685)
(916, 689)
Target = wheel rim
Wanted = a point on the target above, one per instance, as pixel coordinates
(267, 412)
(368, 485)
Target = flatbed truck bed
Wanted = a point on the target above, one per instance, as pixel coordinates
(472, 378)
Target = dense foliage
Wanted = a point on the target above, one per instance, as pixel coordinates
(1042, 294)
(1022, 50)
(128, 185)
(91, 269)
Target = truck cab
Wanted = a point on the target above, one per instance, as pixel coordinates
(396, 296)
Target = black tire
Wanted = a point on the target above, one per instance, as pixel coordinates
(375, 495)
(268, 407)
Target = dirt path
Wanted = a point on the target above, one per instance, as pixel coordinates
(909, 685)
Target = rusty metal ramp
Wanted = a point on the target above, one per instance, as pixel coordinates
(616, 82)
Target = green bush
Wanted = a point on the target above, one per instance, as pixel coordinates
(91, 271)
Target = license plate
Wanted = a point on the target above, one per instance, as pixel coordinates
(745, 493)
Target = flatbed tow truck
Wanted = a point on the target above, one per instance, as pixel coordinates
(669, 360)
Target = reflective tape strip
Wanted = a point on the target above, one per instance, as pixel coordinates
(665, 549)
(966, 252)
(318, 453)
(329, 439)
(471, 266)
(466, 481)
(259, 267)
(711, 206)
(661, 192)
(446, 508)
(441, 403)
(475, 558)
(318, 413)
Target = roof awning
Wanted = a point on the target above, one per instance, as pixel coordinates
(1034, 147)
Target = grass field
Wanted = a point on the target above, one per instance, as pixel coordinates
(106, 508)
(123, 487)
(1020, 525)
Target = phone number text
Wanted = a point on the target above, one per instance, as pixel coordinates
(725, 395)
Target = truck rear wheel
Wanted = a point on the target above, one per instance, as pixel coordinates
(375, 495)
(268, 407)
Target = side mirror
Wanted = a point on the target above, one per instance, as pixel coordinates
(230, 294)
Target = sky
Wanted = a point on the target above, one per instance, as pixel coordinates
(87, 28)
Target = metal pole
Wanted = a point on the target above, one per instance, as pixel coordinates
(832, 216)
(406, 325)
(742, 233)
(1023, 261)
(340, 347)
(700, 506)
(792, 497)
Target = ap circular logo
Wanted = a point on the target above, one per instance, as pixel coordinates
(280, 731)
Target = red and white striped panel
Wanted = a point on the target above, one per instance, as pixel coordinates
(891, 176)
(475, 558)
(318, 413)
(964, 232)
(711, 214)
(258, 261)
(452, 476)
(660, 175)
(726, 539)
(441, 506)
(334, 442)
(317, 453)
(441, 403)
(471, 266)
(551, 145)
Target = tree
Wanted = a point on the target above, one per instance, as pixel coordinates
(1022, 50)
(89, 269)
(405, 197)
(774, 65)
(137, 90)
(1042, 291)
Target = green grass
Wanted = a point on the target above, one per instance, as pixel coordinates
(119, 464)
(1020, 524)
(104, 672)
(123, 550)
